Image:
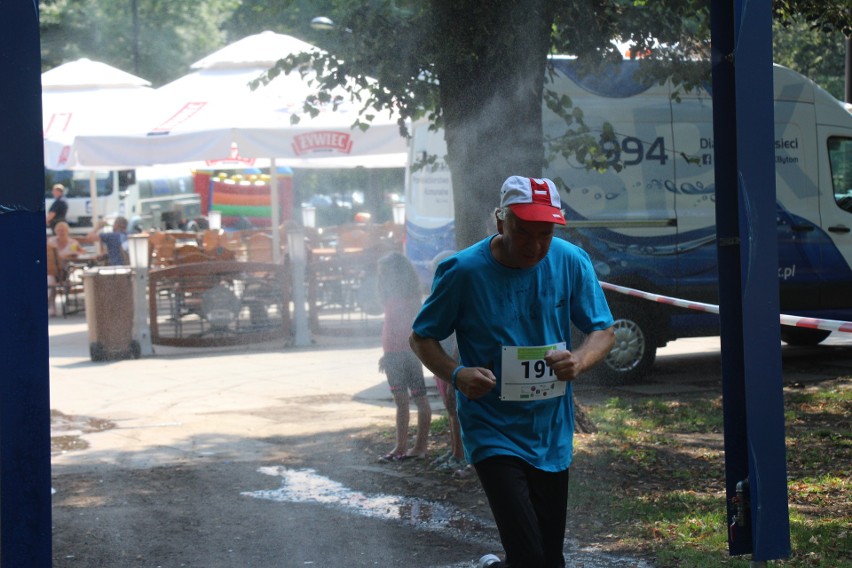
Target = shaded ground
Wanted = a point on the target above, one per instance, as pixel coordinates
(693, 462)
(201, 513)
(198, 513)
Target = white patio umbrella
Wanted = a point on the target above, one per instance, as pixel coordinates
(214, 107)
(77, 96)
(82, 96)
(205, 114)
(256, 125)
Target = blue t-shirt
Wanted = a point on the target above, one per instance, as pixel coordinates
(116, 246)
(489, 306)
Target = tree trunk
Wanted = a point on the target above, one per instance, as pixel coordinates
(583, 423)
(491, 102)
(491, 87)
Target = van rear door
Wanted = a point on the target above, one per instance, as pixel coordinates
(801, 262)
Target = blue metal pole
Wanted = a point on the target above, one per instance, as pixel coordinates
(752, 388)
(25, 516)
(728, 243)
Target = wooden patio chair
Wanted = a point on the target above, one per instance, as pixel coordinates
(354, 237)
(161, 248)
(259, 248)
(216, 245)
(190, 253)
(210, 239)
(65, 282)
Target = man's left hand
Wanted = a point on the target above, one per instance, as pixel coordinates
(564, 364)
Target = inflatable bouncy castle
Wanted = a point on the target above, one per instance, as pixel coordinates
(244, 197)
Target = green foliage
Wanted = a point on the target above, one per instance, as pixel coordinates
(359, 62)
(827, 16)
(290, 17)
(440, 426)
(662, 416)
(809, 36)
(815, 53)
(653, 476)
(171, 35)
(462, 64)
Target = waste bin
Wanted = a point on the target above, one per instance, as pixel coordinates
(109, 313)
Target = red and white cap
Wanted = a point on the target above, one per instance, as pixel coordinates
(532, 199)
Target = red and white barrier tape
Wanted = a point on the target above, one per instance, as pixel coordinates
(795, 321)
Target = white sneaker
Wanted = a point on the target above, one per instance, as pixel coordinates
(488, 560)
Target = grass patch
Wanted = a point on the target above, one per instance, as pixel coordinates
(440, 426)
(652, 479)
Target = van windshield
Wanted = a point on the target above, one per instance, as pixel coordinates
(840, 158)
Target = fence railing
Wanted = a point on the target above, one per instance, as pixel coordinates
(219, 303)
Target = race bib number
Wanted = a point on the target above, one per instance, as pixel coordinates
(526, 376)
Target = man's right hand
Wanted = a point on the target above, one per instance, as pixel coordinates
(475, 382)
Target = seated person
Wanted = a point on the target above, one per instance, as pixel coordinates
(66, 248)
(114, 243)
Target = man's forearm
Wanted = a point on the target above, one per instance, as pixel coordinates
(596, 346)
(433, 356)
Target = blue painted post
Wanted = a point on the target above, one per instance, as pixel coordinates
(25, 522)
(752, 388)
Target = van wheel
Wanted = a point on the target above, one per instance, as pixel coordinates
(635, 347)
(802, 336)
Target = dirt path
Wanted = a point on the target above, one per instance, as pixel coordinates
(269, 459)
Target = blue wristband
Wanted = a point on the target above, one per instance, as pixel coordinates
(454, 375)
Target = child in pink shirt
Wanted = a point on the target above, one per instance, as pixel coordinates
(399, 289)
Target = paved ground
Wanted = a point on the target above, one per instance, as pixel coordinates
(256, 456)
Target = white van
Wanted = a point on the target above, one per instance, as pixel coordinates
(110, 188)
(149, 197)
(162, 197)
(651, 225)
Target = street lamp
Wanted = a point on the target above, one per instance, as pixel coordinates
(309, 216)
(322, 23)
(214, 220)
(298, 260)
(138, 252)
(399, 213)
(134, 17)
